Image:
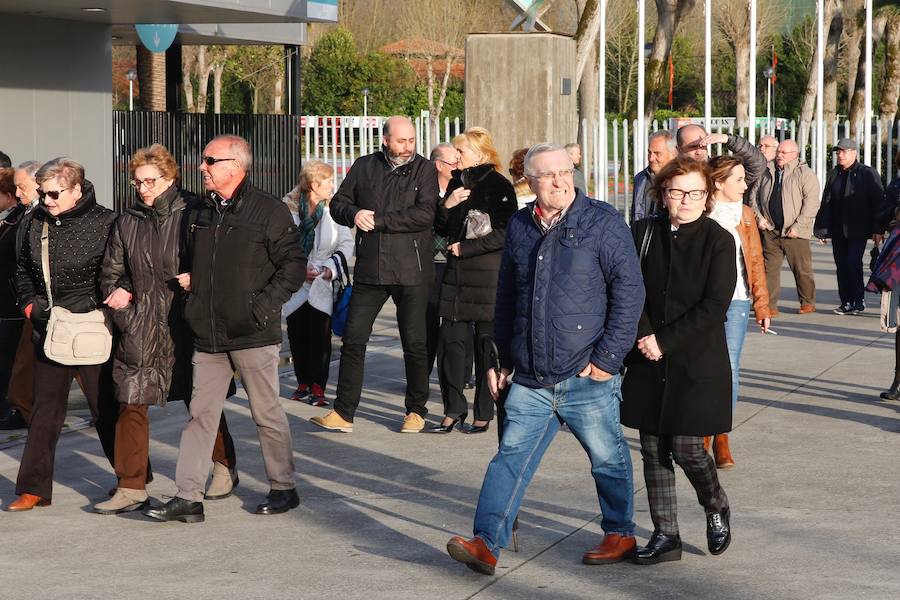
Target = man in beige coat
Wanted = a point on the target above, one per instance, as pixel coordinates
(786, 207)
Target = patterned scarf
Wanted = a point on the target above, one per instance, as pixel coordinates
(308, 223)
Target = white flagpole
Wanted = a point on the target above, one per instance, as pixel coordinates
(867, 131)
(707, 102)
(639, 132)
(820, 87)
(752, 108)
(601, 150)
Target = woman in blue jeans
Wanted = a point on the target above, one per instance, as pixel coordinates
(729, 211)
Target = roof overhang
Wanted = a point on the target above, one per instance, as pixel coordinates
(237, 34)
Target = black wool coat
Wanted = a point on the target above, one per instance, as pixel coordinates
(9, 306)
(689, 276)
(144, 256)
(469, 287)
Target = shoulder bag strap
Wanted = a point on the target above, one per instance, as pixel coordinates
(645, 242)
(345, 266)
(45, 261)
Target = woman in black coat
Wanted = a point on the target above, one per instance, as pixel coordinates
(141, 283)
(677, 386)
(76, 228)
(478, 203)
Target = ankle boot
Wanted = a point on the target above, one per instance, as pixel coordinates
(707, 442)
(893, 393)
(722, 452)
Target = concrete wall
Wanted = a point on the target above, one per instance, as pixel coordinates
(56, 94)
(514, 88)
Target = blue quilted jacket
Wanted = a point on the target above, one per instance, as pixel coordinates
(572, 294)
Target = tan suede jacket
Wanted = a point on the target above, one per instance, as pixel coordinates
(753, 260)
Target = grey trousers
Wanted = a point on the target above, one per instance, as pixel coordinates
(212, 374)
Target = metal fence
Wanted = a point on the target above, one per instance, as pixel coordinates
(274, 139)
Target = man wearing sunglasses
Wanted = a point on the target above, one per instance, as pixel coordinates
(244, 260)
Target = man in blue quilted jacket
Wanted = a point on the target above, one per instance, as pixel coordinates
(569, 299)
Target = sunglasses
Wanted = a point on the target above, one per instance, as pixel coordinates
(52, 194)
(211, 160)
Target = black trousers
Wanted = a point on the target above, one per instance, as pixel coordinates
(10, 333)
(309, 335)
(51, 394)
(433, 314)
(365, 304)
(452, 366)
(697, 464)
(848, 260)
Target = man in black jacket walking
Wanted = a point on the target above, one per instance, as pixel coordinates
(391, 197)
(244, 259)
(852, 203)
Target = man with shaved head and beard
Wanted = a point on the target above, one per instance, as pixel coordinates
(785, 207)
(390, 196)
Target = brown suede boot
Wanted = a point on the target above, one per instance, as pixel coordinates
(707, 442)
(722, 452)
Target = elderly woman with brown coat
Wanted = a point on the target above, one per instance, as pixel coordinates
(141, 281)
(677, 386)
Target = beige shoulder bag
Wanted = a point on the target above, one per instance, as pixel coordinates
(73, 338)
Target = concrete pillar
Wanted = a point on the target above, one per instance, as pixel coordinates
(520, 87)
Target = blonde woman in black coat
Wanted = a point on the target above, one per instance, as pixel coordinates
(677, 387)
(477, 193)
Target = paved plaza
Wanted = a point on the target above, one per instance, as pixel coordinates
(814, 496)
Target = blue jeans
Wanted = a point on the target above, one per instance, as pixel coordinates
(533, 416)
(738, 316)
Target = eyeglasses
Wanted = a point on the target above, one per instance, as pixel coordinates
(210, 160)
(695, 195)
(547, 177)
(761, 146)
(150, 182)
(53, 194)
(447, 162)
(787, 152)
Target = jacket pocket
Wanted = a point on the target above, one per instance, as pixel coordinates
(575, 253)
(571, 335)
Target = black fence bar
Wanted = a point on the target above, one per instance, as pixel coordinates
(274, 140)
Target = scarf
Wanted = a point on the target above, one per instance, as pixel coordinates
(308, 223)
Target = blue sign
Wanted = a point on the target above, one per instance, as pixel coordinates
(156, 38)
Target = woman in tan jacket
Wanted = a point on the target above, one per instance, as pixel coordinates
(730, 212)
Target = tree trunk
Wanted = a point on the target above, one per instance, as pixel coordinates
(586, 37)
(742, 82)
(588, 91)
(807, 108)
(858, 101)
(439, 108)
(203, 71)
(151, 69)
(278, 94)
(255, 99)
(853, 50)
(669, 14)
(832, 45)
(890, 89)
(188, 56)
(218, 71)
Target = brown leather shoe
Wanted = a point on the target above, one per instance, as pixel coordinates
(806, 309)
(27, 502)
(614, 548)
(722, 452)
(473, 553)
(707, 442)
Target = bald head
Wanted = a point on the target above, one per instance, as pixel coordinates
(688, 140)
(399, 138)
(787, 151)
(767, 145)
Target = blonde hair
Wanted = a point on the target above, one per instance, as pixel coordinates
(157, 156)
(313, 172)
(480, 141)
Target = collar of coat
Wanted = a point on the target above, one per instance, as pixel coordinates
(214, 200)
(472, 176)
(84, 205)
(576, 207)
(162, 207)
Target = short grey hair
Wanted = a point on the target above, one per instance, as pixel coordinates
(30, 167)
(239, 149)
(571, 146)
(542, 148)
(666, 135)
(436, 151)
(69, 172)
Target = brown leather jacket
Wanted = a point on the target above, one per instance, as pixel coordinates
(753, 260)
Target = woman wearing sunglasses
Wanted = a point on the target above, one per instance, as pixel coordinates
(77, 228)
(141, 282)
(677, 386)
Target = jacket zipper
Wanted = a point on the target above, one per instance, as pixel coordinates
(418, 260)
(212, 270)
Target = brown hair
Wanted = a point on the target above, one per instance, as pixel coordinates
(682, 166)
(720, 168)
(517, 164)
(481, 141)
(157, 156)
(7, 181)
(69, 172)
(314, 171)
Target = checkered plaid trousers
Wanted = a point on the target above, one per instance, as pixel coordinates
(698, 465)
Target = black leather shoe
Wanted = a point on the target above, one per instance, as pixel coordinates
(478, 428)
(660, 548)
(441, 428)
(177, 509)
(718, 531)
(279, 501)
(892, 394)
(13, 420)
